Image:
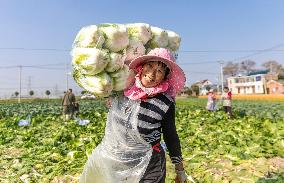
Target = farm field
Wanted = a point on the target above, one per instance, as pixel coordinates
(247, 148)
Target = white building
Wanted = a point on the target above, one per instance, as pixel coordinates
(204, 86)
(254, 84)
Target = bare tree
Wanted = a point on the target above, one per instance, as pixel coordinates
(273, 66)
(281, 73)
(231, 69)
(247, 65)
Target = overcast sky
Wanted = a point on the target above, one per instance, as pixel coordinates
(211, 31)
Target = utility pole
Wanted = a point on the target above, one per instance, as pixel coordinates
(20, 83)
(67, 83)
(67, 80)
(222, 75)
(29, 84)
(218, 84)
(67, 76)
(56, 92)
(271, 73)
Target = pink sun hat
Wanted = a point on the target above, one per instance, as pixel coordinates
(176, 77)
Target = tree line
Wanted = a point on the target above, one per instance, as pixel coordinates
(31, 93)
(248, 66)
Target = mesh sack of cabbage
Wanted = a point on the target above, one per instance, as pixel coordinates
(101, 52)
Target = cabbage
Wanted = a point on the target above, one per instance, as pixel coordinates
(100, 85)
(160, 38)
(135, 49)
(91, 60)
(120, 78)
(174, 40)
(116, 62)
(116, 36)
(140, 31)
(89, 37)
(100, 53)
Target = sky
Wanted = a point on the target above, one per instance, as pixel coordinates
(40, 32)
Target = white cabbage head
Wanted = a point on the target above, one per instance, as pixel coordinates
(140, 31)
(134, 49)
(116, 62)
(91, 60)
(120, 78)
(160, 38)
(174, 40)
(116, 36)
(100, 85)
(89, 37)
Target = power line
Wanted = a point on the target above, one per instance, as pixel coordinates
(257, 53)
(45, 65)
(181, 51)
(35, 49)
(210, 73)
(223, 51)
(34, 87)
(238, 58)
(197, 63)
(47, 68)
(34, 66)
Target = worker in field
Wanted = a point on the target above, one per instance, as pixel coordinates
(227, 101)
(68, 103)
(131, 150)
(211, 103)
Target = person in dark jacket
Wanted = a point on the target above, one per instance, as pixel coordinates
(68, 102)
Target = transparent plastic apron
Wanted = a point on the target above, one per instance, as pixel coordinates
(123, 155)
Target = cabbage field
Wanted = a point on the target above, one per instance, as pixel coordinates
(247, 148)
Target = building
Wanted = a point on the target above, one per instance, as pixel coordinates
(253, 84)
(275, 87)
(204, 86)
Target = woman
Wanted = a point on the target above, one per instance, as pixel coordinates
(211, 103)
(130, 151)
(227, 101)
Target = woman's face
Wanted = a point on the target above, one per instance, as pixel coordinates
(153, 73)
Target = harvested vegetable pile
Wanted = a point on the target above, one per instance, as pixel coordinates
(101, 53)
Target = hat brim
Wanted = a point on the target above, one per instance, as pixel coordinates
(176, 76)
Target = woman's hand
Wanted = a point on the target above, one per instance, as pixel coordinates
(181, 175)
